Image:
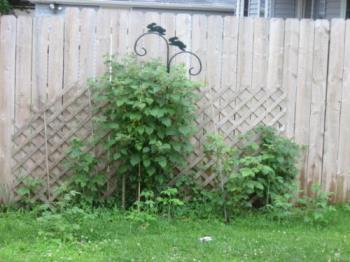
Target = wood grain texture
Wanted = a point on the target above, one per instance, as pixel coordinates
(71, 47)
(343, 191)
(303, 97)
(103, 39)
(87, 56)
(290, 71)
(333, 105)
(276, 48)
(318, 98)
(40, 61)
(23, 69)
(55, 57)
(7, 87)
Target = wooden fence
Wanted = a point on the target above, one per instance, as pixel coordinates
(293, 74)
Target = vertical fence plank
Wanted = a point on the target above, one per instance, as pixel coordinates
(115, 36)
(275, 62)
(335, 77)
(215, 30)
(318, 90)
(7, 87)
(152, 42)
(303, 98)
(199, 44)
(40, 61)
(344, 136)
(55, 59)
(71, 47)
(168, 21)
(290, 72)
(87, 45)
(229, 53)
(229, 73)
(245, 53)
(120, 32)
(260, 60)
(260, 47)
(103, 39)
(137, 26)
(54, 90)
(183, 32)
(199, 47)
(23, 69)
(244, 68)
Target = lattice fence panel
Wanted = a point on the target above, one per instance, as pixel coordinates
(230, 114)
(40, 147)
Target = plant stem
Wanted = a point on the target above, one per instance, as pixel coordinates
(123, 191)
(139, 186)
(222, 188)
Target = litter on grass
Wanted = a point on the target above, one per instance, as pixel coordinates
(205, 239)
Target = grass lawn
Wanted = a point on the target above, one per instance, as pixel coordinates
(107, 236)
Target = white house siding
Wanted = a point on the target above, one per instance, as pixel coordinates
(333, 8)
(284, 8)
(253, 8)
(320, 9)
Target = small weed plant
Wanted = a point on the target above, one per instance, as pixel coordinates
(316, 208)
(27, 192)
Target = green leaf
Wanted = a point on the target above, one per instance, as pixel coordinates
(23, 191)
(149, 130)
(185, 130)
(246, 172)
(134, 159)
(146, 163)
(166, 122)
(117, 156)
(162, 161)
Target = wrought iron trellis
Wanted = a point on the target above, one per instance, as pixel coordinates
(154, 29)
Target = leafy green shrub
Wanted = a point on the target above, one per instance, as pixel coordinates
(259, 170)
(266, 168)
(148, 114)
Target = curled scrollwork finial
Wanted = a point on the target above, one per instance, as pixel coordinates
(154, 29)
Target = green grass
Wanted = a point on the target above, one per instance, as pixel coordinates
(108, 236)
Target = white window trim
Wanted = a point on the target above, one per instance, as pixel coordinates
(343, 9)
(301, 5)
(240, 7)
